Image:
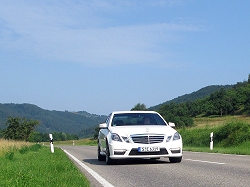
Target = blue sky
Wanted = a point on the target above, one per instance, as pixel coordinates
(100, 56)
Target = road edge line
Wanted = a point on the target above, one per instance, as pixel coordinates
(100, 179)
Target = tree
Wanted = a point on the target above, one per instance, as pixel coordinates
(12, 131)
(27, 127)
(221, 101)
(140, 106)
(96, 133)
(19, 129)
(176, 113)
(247, 103)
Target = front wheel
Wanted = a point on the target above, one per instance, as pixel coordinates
(175, 159)
(100, 157)
(109, 161)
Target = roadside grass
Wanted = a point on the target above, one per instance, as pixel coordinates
(87, 141)
(217, 120)
(35, 165)
(243, 149)
(11, 146)
(231, 135)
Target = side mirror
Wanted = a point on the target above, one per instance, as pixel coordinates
(103, 126)
(171, 124)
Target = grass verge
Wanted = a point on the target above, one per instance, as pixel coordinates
(87, 141)
(239, 150)
(36, 166)
(11, 146)
(231, 135)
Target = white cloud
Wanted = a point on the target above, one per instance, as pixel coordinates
(74, 32)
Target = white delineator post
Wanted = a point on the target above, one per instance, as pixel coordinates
(211, 140)
(51, 143)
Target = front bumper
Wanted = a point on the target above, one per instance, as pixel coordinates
(120, 150)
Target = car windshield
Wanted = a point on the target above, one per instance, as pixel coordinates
(137, 119)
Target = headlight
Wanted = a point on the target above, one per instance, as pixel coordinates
(115, 137)
(176, 136)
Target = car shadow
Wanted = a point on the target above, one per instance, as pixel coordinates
(129, 161)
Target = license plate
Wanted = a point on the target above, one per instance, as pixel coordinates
(148, 149)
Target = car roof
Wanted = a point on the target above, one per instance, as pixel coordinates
(135, 111)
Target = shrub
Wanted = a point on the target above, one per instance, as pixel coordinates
(24, 149)
(35, 147)
(197, 137)
(232, 134)
(9, 155)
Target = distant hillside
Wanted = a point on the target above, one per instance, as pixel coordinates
(203, 92)
(80, 123)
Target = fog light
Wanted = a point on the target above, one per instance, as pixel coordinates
(119, 152)
(175, 150)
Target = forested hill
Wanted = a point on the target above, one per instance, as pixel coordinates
(81, 123)
(232, 101)
(203, 92)
(210, 100)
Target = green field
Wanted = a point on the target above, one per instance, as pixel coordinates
(87, 141)
(231, 135)
(36, 166)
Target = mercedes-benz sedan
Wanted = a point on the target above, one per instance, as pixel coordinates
(138, 134)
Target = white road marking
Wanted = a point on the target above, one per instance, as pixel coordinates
(226, 154)
(206, 161)
(92, 172)
(243, 155)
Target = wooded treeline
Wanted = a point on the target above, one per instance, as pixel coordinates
(233, 101)
(228, 100)
(23, 129)
(57, 136)
(200, 94)
(80, 123)
(19, 129)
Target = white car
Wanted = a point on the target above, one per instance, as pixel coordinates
(138, 134)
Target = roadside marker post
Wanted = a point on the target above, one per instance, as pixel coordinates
(211, 141)
(51, 143)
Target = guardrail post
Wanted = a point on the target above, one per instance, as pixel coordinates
(51, 143)
(211, 141)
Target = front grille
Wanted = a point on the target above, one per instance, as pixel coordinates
(162, 151)
(147, 138)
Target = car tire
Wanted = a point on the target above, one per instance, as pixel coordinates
(109, 161)
(175, 159)
(100, 157)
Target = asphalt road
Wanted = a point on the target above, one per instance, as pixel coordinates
(196, 169)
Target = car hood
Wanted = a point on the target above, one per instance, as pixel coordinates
(142, 129)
